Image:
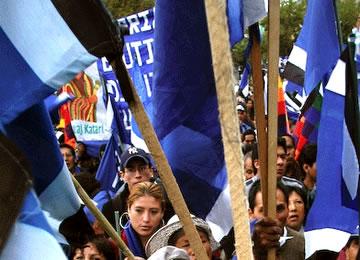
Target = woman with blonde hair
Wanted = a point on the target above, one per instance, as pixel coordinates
(146, 206)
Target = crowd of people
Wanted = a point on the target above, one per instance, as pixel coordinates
(145, 219)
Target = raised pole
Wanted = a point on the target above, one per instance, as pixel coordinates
(104, 223)
(261, 124)
(273, 71)
(223, 73)
(152, 142)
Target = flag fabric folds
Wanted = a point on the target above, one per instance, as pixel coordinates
(331, 215)
(32, 132)
(241, 14)
(32, 231)
(44, 44)
(107, 173)
(185, 113)
(48, 57)
(316, 49)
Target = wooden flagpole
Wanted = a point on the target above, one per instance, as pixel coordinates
(261, 125)
(152, 142)
(104, 223)
(223, 73)
(273, 71)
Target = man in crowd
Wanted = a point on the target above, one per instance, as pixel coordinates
(307, 162)
(68, 154)
(280, 167)
(244, 121)
(136, 167)
(269, 233)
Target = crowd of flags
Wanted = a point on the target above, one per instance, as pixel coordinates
(186, 124)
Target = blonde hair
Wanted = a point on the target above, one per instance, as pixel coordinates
(147, 189)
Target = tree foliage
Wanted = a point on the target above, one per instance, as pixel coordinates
(292, 13)
(291, 19)
(121, 8)
(348, 12)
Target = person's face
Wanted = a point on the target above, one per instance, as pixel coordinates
(242, 115)
(296, 208)
(290, 149)
(80, 150)
(248, 169)
(136, 171)
(280, 161)
(281, 207)
(145, 215)
(90, 252)
(258, 211)
(249, 104)
(352, 251)
(68, 157)
(249, 139)
(183, 243)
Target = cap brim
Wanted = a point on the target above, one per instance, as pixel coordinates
(135, 156)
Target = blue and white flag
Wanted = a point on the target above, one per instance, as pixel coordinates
(334, 213)
(30, 231)
(32, 132)
(33, 68)
(44, 44)
(316, 49)
(244, 81)
(185, 110)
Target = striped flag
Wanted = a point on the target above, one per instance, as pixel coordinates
(44, 44)
(32, 132)
(316, 49)
(333, 213)
(306, 129)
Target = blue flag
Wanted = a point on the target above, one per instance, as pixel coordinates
(316, 49)
(185, 112)
(56, 48)
(333, 217)
(35, 68)
(244, 81)
(107, 173)
(30, 231)
(32, 132)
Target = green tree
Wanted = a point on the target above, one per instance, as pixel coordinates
(292, 13)
(291, 19)
(348, 12)
(121, 8)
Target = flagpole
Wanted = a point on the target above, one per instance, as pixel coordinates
(223, 73)
(152, 142)
(259, 106)
(273, 71)
(104, 223)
